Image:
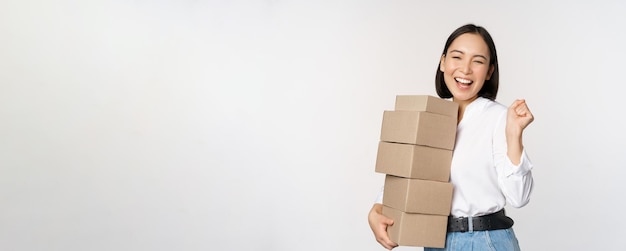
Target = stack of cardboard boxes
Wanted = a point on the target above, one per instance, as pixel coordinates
(415, 153)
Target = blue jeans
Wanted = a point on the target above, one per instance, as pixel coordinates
(493, 240)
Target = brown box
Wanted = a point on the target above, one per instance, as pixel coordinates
(419, 128)
(426, 103)
(419, 230)
(418, 196)
(413, 161)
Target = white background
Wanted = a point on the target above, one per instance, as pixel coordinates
(253, 125)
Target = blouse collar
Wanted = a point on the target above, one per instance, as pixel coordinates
(473, 108)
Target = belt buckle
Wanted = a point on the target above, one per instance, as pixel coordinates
(467, 224)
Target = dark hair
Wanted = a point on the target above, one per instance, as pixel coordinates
(490, 88)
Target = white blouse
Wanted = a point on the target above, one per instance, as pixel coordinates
(483, 177)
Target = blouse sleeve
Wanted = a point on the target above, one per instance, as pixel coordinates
(379, 198)
(515, 181)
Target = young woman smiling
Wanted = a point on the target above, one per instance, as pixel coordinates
(489, 167)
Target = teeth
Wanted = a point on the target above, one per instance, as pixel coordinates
(463, 81)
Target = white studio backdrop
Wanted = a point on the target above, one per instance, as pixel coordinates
(253, 125)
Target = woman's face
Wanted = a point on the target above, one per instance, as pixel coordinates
(466, 66)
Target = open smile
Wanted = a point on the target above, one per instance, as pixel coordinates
(464, 81)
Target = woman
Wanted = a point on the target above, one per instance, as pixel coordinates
(489, 165)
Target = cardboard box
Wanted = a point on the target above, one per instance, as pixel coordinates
(418, 196)
(419, 128)
(426, 103)
(413, 161)
(419, 230)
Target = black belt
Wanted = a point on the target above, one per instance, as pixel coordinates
(494, 221)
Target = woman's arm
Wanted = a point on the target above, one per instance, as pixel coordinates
(512, 164)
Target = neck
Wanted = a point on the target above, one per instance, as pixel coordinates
(462, 105)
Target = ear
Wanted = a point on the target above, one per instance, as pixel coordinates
(491, 69)
(442, 63)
